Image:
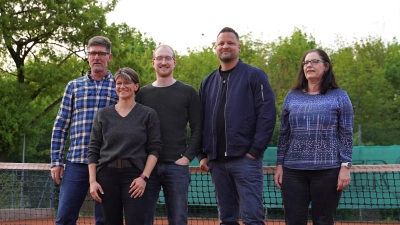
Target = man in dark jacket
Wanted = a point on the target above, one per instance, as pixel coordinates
(239, 117)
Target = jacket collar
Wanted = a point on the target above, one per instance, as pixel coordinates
(234, 68)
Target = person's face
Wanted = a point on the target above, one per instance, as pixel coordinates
(164, 62)
(314, 67)
(125, 88)
(99, 58)
(227, 47)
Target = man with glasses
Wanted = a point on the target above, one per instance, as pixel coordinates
(176, 104)
(82, 98)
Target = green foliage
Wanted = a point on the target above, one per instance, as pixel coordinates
(131, 49)
(392, 64)
(284, 62)
(42, 49)
(10, 188)
(195, 66)
(367, 71)
(254, 52)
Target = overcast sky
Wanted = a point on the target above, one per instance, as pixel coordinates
(192, 24)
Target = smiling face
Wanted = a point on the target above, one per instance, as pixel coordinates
(227, 47)
(164, 61)
(97, 62)
(314, 67)
(126, 89)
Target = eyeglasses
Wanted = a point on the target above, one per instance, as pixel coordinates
(100, 54)
(312, 61)
(125, 84)
(161, 58)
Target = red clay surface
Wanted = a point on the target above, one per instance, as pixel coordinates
(163, 221)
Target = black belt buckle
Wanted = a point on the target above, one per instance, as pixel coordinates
(119, 163)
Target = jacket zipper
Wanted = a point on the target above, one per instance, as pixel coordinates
(212, 130)
(262, 92)
(226, 97)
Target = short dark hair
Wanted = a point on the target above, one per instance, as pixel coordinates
(100, 41)
(328, 78)
(228, 30)
(127, 73)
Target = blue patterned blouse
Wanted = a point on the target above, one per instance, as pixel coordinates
(316, 130)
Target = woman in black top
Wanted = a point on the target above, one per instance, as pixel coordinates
(124, 147)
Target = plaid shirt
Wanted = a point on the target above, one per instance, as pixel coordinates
(83, 97)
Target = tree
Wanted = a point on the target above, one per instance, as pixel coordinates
(132, 49)
(392, 64)
(283, 62)
(361, 71)
(42, 44)
(195, 66)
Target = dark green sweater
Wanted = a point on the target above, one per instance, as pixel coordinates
(176, 105)
(132, 137)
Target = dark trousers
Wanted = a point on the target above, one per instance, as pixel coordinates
(116, 198)
(174, 180)
(74, 188)
(300, 187)
(239, 190)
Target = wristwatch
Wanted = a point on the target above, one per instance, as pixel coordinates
(346, 164)
(144, 177)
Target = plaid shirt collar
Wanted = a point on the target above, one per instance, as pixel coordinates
(108, 76)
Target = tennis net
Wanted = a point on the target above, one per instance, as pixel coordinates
(28, 195)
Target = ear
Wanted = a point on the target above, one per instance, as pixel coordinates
(327, 65)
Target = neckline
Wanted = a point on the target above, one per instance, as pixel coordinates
(167, 86)
(123, 112)
(311, 93)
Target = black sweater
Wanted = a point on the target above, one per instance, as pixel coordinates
(132, 137)
(176, 105)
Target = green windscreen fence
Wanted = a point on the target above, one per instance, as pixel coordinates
(362, 155)
(28, 195)
(370, 188)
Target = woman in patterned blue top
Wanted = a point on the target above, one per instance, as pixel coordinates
(315, 143)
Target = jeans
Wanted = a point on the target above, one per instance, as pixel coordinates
(174, 180)
(74, 187)
(116, 201)
(300, 187)
(238, 187)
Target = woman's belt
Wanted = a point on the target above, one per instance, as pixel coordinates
(120, 163)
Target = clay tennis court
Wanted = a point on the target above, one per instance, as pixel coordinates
(163, 221)
(372, 197)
